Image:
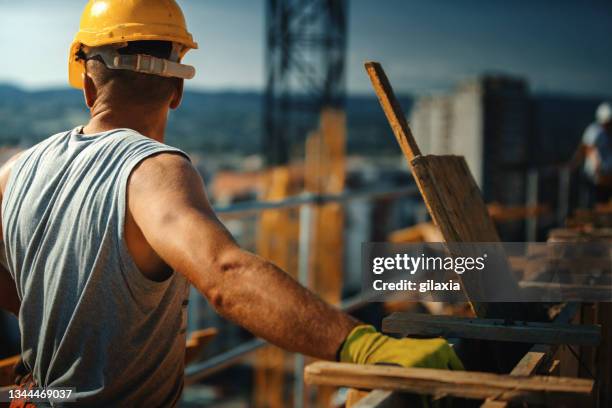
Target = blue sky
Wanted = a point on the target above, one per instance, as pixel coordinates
(560, 46)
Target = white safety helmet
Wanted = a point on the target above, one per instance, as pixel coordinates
(603, 113)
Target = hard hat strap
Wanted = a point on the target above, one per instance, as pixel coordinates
(142, 63)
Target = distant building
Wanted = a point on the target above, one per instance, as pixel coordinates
(487, 120)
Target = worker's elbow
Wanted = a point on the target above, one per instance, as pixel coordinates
(224, 279)
(217, 299)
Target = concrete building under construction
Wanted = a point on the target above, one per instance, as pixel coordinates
(489, 121)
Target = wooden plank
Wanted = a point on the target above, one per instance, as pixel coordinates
(423, 232)
(197, 342)
(393, 110)
(504, 213)
(439, 383)
(277, 237)
(410, 324)
(456, 206)
(325, 173)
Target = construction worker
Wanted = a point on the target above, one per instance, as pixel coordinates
(105, 227)
(595, 151)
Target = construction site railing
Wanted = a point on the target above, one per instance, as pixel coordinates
(198, 371)
(253, 207)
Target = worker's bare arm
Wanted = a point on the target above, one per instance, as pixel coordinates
(167, 200)
(9, 300)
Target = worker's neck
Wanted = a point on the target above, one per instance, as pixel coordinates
(148, 122)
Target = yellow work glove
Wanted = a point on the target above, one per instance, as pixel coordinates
(364, 345)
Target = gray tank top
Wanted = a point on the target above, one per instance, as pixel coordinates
(89, 319)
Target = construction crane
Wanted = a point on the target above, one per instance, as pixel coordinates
(305, 70)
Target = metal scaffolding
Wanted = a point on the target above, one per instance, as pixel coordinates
(305, 70)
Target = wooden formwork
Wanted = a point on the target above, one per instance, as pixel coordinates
(324, 172)
(457, 209)
(277, 238)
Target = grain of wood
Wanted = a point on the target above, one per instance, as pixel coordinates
(393, 110)
(456, 206)
(475, 385)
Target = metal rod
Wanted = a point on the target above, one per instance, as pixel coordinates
(307, 198)
(198, 371)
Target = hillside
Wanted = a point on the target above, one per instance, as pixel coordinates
(206, 121)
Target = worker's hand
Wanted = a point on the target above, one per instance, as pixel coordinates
(364, 345)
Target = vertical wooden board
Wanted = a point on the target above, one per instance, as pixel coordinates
(393, 110)
(456, 206)
(325, 173)
(453, 199)
(277, 237)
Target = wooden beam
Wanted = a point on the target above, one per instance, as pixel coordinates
(197, 342)
(440, 383)
(410, 324)
(393, 110)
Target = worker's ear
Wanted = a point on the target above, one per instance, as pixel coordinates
(89, 90)
(178, 95)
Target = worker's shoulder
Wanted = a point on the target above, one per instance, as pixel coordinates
(163, 168)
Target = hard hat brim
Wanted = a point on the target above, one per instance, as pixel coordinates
(76, 67)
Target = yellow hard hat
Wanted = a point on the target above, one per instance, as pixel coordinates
(107, 22)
